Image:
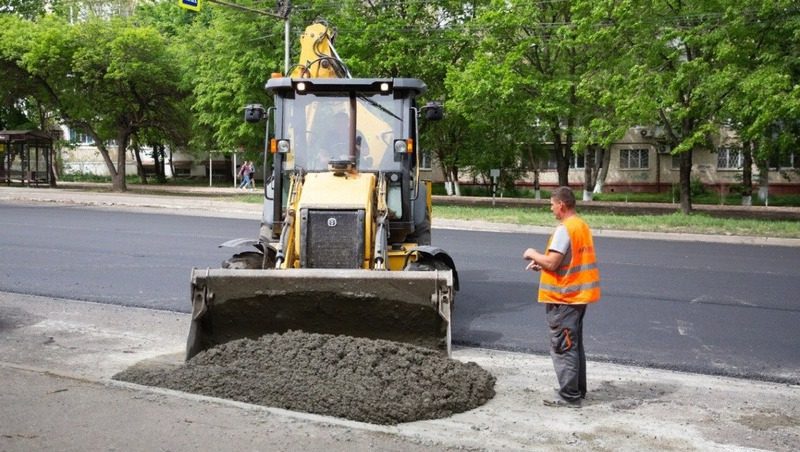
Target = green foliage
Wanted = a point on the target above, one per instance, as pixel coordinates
(514, 75)
(227, 58)
(696, 188)
(28, 9)
(108, 77)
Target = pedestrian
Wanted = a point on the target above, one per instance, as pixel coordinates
(251, 174)
(570, 280)
(244, 173)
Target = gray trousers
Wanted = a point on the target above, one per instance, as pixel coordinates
(566, 348)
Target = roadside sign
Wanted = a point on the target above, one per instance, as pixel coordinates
(192, 5)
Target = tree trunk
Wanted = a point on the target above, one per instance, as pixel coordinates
(533, 164)
(118, 182)
(456, 185)
(562, 161)
(158, 159)
(156, 163)
(588, 173)
(52, 169)
(603, 160)
(763, 181)
(747, 173)
(686, 181)
(171, 163)
(140, 171)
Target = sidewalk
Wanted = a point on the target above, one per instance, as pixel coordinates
(58, 357)
(732, 211)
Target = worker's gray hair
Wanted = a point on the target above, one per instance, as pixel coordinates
(565, 195)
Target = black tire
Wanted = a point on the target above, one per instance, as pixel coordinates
(426, 265)
(249, 260)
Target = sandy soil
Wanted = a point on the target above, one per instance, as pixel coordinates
(376, 381)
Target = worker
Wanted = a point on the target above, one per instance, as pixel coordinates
(570, 280)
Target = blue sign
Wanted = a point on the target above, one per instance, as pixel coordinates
(193, 5)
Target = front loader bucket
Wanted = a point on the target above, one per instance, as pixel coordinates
(403, 306)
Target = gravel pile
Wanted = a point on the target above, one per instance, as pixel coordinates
(375, 381)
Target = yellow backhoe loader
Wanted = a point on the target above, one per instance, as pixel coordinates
(344, 245)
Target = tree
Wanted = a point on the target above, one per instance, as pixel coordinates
(75, 11)
(525, 74)
(602, 88)
(765, 109)
(28, 9)
(228, 55)
(678, 78)
(107, 78)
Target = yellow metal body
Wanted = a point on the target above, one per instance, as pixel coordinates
(349, 191)
(315, 53)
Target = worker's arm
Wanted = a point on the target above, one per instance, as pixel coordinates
(549, 261)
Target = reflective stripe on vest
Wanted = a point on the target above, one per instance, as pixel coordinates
(577, 281)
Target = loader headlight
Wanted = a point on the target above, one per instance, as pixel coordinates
(283, 146)
(400, 146)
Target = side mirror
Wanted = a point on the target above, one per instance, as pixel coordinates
(254, 113)
(434, 111)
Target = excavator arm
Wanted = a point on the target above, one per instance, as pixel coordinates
(318, 57)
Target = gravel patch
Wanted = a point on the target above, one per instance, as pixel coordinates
(376, 381)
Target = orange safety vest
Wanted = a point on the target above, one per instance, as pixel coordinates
(577, 281)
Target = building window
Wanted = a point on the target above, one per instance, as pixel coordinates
(551, 163)
(789, 160)
(80, 137)
(634, 158)
(729, 158)
(183, 171)
(576, 161)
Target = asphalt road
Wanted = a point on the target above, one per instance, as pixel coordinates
(709, 308)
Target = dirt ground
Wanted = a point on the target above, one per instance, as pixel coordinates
(376, 381)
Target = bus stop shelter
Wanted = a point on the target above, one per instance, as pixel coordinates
(26, 157)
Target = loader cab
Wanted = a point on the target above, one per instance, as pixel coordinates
(347, 126)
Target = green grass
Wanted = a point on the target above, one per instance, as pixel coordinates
(701, 196)
(732, 199)
(676, 222)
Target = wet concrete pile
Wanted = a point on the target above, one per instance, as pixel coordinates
(374, 381)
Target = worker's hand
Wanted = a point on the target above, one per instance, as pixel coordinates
(533, 266)
(529, 255)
